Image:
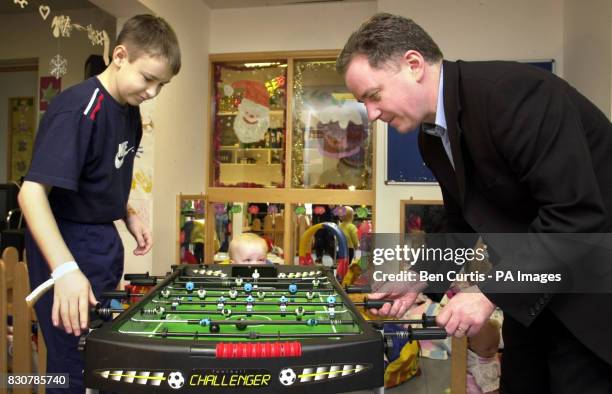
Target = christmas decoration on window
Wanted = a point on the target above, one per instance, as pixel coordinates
(253, 119)
(330, 127)
(343, 131)
(249, 124)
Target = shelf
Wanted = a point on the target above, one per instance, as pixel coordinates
(233, 113)
(250, 164)
(229, 147)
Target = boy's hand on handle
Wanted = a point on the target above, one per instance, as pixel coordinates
(141, 234)
(72, 297)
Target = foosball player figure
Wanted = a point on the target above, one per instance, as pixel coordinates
(309, 295)
(220, 303)
(261, 295)
(201, 294)
(238, 281)
(299, 313)
(248, 288)
(283, 304)
(165, 293)
(315, 283)
(189, 286)
(331, 306)
(233, 294)
(249, 304)
(255, 276)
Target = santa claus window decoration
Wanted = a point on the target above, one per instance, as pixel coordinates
(249, 124)
(332, 144)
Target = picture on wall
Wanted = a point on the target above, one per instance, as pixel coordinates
(425, 216)
(22, 122)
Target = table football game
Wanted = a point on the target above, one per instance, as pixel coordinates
(238, 328)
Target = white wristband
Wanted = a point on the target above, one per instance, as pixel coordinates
(63, 269)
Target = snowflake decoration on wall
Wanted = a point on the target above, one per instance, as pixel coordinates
(96, 37)
(22, 3)
(58, 66)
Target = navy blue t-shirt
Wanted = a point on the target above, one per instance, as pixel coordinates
(85, 149)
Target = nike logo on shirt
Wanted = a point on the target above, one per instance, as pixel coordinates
(122, 151)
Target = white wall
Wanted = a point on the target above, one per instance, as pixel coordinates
(297, 27)
(488, 29)
(14, 84)
(588, 50)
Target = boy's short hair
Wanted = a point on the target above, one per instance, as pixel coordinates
(151, 35)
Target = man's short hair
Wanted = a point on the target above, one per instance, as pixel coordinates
(384, 38)
(151, 35)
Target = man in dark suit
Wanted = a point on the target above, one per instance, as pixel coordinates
(515, 150)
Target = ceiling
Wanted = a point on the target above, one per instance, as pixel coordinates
(9, 7)
(218, 4)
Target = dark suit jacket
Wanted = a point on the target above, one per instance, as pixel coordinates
(531, 154)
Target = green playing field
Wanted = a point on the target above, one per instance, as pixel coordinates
(185, 315)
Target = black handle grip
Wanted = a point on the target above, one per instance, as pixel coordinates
(375, 304)
(357, 289)
(429, 321)
(136, 276)
(144, 282)
(117, 294)
(428, 333)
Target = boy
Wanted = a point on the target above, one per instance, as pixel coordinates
(79, 182)
(248, 248)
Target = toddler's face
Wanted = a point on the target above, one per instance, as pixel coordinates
(249, 254)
